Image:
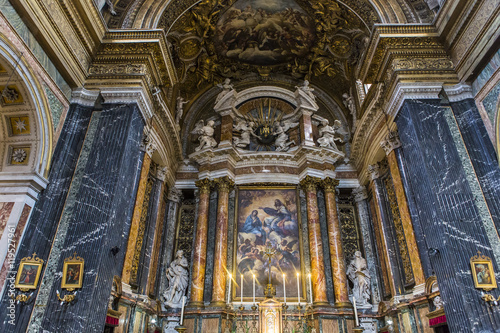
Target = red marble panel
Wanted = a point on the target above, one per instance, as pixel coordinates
(5, 209)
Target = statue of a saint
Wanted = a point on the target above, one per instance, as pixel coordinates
(179, 110)
(226, 88)
(351, 106)
(358, 274)
(177, 276)
(306, 89)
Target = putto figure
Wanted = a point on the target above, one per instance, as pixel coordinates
(177, 276)
(327, 134)
(358, 274)
(206, 134)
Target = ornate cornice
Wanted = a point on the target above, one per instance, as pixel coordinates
(84, 97)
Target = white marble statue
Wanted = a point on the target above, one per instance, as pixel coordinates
(282, 142)
(206, 134)
(177, 276)
(246, 131)
(357, 271)
(327, 134)
(307, 89)
(438, 302)
(351, 106)
(179, 110)
(226, 88)
(111, 7)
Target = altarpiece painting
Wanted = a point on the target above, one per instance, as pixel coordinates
(267, 216)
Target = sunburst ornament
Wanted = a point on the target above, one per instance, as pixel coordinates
(20, 125)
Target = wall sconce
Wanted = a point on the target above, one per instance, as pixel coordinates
(488, 298)
(21, 298)
(67, 298)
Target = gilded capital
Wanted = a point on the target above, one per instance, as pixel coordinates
(224, 184)
(359, 194)
(204, 185)
(329, 184)
(391, 142)
(309, 183)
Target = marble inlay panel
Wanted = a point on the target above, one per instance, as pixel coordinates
(5, 209)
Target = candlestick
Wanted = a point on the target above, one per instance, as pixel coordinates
(310, 289)
(182, 310)
(241, 288)
(253, 288)
(298, 288)
(284, 289)
(355, 312)
(229, 291)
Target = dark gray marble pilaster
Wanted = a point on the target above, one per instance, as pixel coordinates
(326, 248)
(212, 221)
(360, 197)
(306, 259)
(96, 218)
(389, 236)
(481, 153)
(44, 219)
(149, 235)
(447, 209)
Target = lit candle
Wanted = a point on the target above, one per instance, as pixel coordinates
(284, 288)
(182, 311)
(229, 291)
(241, 287)
(310, 289)
(298, 288)
(355, 311)
(253, 288)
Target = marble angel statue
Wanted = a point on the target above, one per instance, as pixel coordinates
(246, 131)
(307, 89)
(357, 271)
(178, 279)
(206, 134)
(226, 88)
(348, 101)
(329, 134)
(282, 142)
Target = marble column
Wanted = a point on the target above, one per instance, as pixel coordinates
(387, 258)
(200, 244)
(309, 184)
(390, 144)
(136, 219)
(340, 284)
(224, 186)
(360, 197)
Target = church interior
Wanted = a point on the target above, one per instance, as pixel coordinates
(249, 166)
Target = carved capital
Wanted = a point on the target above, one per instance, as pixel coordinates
(161, 173)
(374, 171)
(360, 194)
(329, 184)
(309, 184)
(147, 144)
(174, 194)
(391, 142)
(204, 185)
(224, 184)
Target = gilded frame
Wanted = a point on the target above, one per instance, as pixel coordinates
(482, 269)
(72, 266)
(34, 263)
(234, 272)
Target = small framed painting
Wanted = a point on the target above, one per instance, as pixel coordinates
(482, 272)
(72, 273)
(28, 273)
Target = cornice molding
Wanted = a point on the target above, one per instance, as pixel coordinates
(84, 97)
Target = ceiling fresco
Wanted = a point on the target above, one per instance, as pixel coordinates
(258, 40)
